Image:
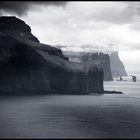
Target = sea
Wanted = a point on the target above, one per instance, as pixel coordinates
(74, 116)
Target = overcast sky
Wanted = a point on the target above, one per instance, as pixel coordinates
(113, 25)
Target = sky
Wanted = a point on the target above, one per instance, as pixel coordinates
(76, 25)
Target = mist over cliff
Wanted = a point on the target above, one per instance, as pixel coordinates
(104, 56)
(100, 60)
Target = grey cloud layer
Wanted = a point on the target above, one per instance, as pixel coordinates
(21, 7)
(115, 12)
(120, 12)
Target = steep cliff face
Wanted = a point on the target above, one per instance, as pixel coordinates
(99, 60)
(111, 63)
(117, 66)
(21, 67)
(28, 66)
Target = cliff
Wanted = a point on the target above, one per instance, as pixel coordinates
(28, 66)
(109, 61)
(99, 60)
(117, 66)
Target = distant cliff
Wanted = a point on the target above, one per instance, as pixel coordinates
(28, 66)
(96, 59)
(117, 66)
(100, 60)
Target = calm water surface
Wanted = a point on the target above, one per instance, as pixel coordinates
(73, 116)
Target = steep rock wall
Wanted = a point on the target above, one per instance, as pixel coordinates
(96, 59)
(117, 66)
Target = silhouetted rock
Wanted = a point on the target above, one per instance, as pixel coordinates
(117, 67)
(16, 27)
(28, 66)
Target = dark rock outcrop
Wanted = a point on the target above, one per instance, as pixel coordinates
(28, 66)
(16, 27)
(117, 67)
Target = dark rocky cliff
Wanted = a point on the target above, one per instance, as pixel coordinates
(117, 66)
(28, 66)
(16, 27)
